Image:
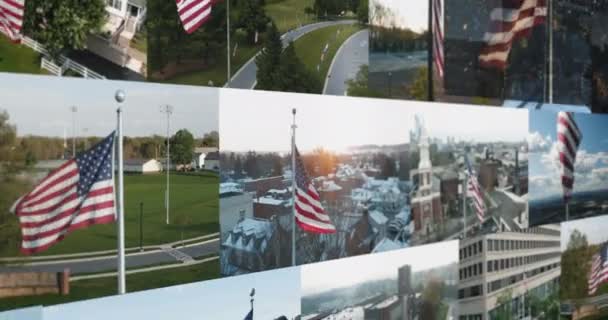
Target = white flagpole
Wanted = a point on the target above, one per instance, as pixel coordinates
(465, 190)
(228, 43)
(550, 66)
(293, 187)
(120, 98)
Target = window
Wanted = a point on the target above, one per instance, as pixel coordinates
(490, 245)
(489, 268)
(116, 4)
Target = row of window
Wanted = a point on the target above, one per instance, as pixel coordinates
(503, 264)
(471, 317)
(544, 231)
(508, 245)
(471, 250)
(507, 281)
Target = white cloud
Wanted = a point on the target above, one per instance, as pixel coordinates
(538, 143)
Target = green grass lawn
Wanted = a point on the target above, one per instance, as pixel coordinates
(310, 46)
(102, 287)
(289, 14)
(18, 58)
(217, 73)
(194, 198)
(140, 41)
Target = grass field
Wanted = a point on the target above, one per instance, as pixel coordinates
(289, 14)
(310, 46)
(18, 58)
(193, 203)
(96, 288)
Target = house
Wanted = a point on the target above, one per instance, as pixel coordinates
(212, 161)
(125, 19)
(142, 166)
(200, 154)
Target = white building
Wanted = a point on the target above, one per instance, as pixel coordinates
(212, 161)
(142, 166)
(234, 207)
(500, 272)
(200, 154)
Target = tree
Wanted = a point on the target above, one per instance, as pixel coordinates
(431, 299)
(388, 168)
(363, 11)
(577, 240)
(277, 166)
(269, 59)
(359, 86)
(63, 25)
(182, 147)
(211, 139)
(238, 168)
(252, 18)
(503, 303)
(251, 165)
(420, 87)
(575, 264)
(294, 76)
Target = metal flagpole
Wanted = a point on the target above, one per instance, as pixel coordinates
(293, 187)
(465, 189)
(229, 76)
(120, 98)
(168, 110)
(550, 66)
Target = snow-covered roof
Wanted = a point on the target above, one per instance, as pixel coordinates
(229, 187)
(330, 186)
(386, 303)
(269, 201)
(387, 244)
(378, 217)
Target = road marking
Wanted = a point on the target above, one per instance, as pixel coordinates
(333, 61)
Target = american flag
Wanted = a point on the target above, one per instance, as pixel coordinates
(568, 139)
(513, 20)
(438, 36)
(474, 191)
(194, 13)
(11, 18)
(76, 195)
(599, 269)
(309, 212)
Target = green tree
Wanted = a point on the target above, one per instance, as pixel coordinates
(268, 59)
(182, 147)
(431, 298)
(293, 76)
(575, 264)
(359, 86)
(238, 168)
(63, 25)
(503, 303)
(252, 18)
(251, 166)
(577, 240)
(420, 87)
(277, 166)
(211, 139)
(363, 11)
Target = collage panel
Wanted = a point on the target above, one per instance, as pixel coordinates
(371, 176)
(309, 46)
(583, 290)
(31, 313)
(61, 192)
(97, 39)
(391, 285)
(568, 166)
(271, 295)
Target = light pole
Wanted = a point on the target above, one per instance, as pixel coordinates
(73, 109)
(168, 110)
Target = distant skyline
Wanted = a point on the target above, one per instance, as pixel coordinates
(346, 272)
(40, 105)
(591, 166)
(406, 14)
(261, 121)
(593, 228)
(277, 293)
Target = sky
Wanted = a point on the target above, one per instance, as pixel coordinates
(319, 277)
(277, 293)
(594, 228)
(261, 121)
(40, 105)
(591, 166)
(408, 14)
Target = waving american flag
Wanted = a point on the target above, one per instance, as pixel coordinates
(309, 212)
(76, 195)
(474, 191)
(599, 269)
(568, 139)
(193, 13)
(11, 18)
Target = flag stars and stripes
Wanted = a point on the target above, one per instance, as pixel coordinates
(474, 191)
(599, 270)
(11, 18)
(569, 138)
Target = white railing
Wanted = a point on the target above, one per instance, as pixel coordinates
(65, 62)
(47, 64)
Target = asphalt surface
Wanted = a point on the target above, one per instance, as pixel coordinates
(109, 264)
(353, 53)
(245, 78)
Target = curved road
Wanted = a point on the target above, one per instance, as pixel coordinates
(245, 78)
(353, 53)
(109, 263)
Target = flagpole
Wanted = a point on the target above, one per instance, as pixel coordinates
(550, 66)
(120, 98)
(293, 187)
(229, 76)
(465, 188)
(430, 53)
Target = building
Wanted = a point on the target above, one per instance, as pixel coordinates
(212, 161)
(426, 201)
(500, 272)
(234, 207)
(142, 166)
(200, 154)
(262, 185)
(387, 309)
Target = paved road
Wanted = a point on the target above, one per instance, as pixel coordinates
(353, 53)
(109, 263)
(245, 78)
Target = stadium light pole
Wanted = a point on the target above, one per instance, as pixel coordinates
(120, 97)
(73, 110)
(168, 110)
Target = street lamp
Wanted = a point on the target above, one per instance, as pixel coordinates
(168, 110)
